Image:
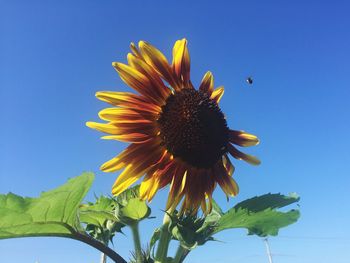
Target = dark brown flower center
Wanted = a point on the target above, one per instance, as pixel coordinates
(193, 128)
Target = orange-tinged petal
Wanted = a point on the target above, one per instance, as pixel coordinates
(136, 80)
(166, 174)
(207, 84)
(181, 60)
(113, 165)
(228, 185)
(135, 51)
(242, 156)
(128, 155)
(145, 186)
(134, 127)
(217, 94)
(158, 61)
(133, 172)
(131, 137)
(103, 127)
(242, 138)
(159, 89)
(117, 114)
(177, 187)
(149, 187)
(126, 179)
(126, 99)
(228, 165)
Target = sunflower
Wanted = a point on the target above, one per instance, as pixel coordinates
(178, 135)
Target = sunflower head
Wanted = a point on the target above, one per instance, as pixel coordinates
(178, 135)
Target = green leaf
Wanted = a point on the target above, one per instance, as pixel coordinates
(260, 215)
(54, 213)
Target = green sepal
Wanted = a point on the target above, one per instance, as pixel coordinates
(99, 217)
(189, 230)
(131, 209)
(99, 212)
(155, 237)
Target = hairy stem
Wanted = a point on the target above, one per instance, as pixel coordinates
(137, 242)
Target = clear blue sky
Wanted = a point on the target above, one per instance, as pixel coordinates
(54, 55)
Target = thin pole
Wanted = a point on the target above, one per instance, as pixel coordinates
(268, 251)
(103, 258)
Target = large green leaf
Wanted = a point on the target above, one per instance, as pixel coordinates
(260, 215)
(54, 213)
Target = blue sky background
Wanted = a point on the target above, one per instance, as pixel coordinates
(54, 55)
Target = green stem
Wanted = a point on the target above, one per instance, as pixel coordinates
(164, 240)
(137, 242)
(98, 245)
(180, 255)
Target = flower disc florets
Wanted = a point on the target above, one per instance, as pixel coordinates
(193, 128)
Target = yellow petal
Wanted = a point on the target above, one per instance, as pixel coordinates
(145, 186)
(158, 61)
(242, 138)
(122, 159)
(103, 127)
(126, 99)
(181, 60)
(135, 79)
(113, 165)
(135, 51)
(149, 187)
(217, 94)
(118, 114)
(131, 137)
(160, 91)
(230, 186)
(135, 169)
(176, 190)
(125, 179)
(207, 84)
(242, 156)
(228, 165)
(117, 98)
